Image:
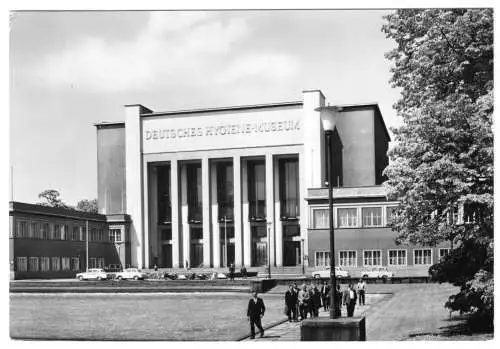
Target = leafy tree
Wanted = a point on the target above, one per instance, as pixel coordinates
(52, 199)
(442, 162)
(87, 205)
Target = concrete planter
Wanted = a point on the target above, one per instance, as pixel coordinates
(340, 329)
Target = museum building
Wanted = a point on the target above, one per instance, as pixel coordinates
(246, 185)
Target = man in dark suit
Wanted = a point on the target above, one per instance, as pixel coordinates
(255, 312)
(291, 303)
(325, 296)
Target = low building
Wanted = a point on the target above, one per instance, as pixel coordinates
(49, 242)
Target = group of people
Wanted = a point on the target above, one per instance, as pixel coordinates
(307, 300)
(243, 271)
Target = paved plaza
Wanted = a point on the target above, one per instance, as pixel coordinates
(395, 312)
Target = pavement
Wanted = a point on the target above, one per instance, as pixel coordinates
(290, 331)
(392, 312)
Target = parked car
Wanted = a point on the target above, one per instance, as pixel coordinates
(377, 273)
(92, 274)
(325, 273)
(131, 273)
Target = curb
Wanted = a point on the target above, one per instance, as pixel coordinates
(274, 324)
(125, 290)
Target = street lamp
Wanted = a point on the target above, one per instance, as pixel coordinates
(269, 224)
(302, 255)
(328, 126)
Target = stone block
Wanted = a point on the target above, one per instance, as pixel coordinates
(339, 329)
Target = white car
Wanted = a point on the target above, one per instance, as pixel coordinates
(131, 273)
(339, 273)
(92, 274)
(377, 273)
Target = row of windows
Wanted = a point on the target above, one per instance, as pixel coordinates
(352, 217)
(46, 231)
(373, 258)
(54, 263)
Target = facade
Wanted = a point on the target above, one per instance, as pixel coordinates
(210, 187)
(47, 242)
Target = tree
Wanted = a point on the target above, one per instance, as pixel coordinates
(52, 199)
(87, 206)
(442, 162)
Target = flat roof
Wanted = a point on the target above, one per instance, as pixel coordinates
(229, 108)
(37, 209)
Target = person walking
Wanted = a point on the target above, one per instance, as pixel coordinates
(325, 296)
(361, 291)
(316, 301)
(255, 312)
(351, 300)
(243, 271)
(231, 272)
(303, 298)
(291, 303)
(296, 307)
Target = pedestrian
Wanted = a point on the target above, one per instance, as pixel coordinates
(361, 291)
(156, 268)
(291, 303)
(325, 296)
(255, 312)
(345, 297)
(296, 307)
(316, 301)
(303, 299)
(338, 302)
(231, 271)
(310, 307)
(243, 271)
(351, 300)
(187, 265)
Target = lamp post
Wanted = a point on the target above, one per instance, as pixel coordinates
(302, 255)
(328, 126)
(269, 224)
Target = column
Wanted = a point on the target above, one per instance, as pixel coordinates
(313, 138)
(238, 246)
(304, 214)
(134, 182)
(152, 230)
(214, 216)
(277, 213)
(205, 185)
(186, 238)
(146, 231)
(270, 205)
(174, 195)
(247, 234)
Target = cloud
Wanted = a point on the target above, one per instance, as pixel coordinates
(173, 48)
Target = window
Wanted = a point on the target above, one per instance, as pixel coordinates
(320, 218)
(65, 263)
(56, 263)
(257, 189)
(21, 264)
(82, 234)
(34, 231)
(422, 257)
(33, 264)
(56, 233)
(22, 230)
(93, 234)
(44, 263)
(75, 234)
(92, 262)
(348, 217)
(289, 187)
(372, 258)
(115, 235)
(65, 232)
(225, 190)
(390, 213)
(443, 252)
(322, 258)
(348, 258)
(45, 231)
(372, 216)
(164, 205)
(100, 262)
(397, 257)
(194, 192)
(75, 263)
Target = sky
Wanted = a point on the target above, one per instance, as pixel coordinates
(69, 70)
